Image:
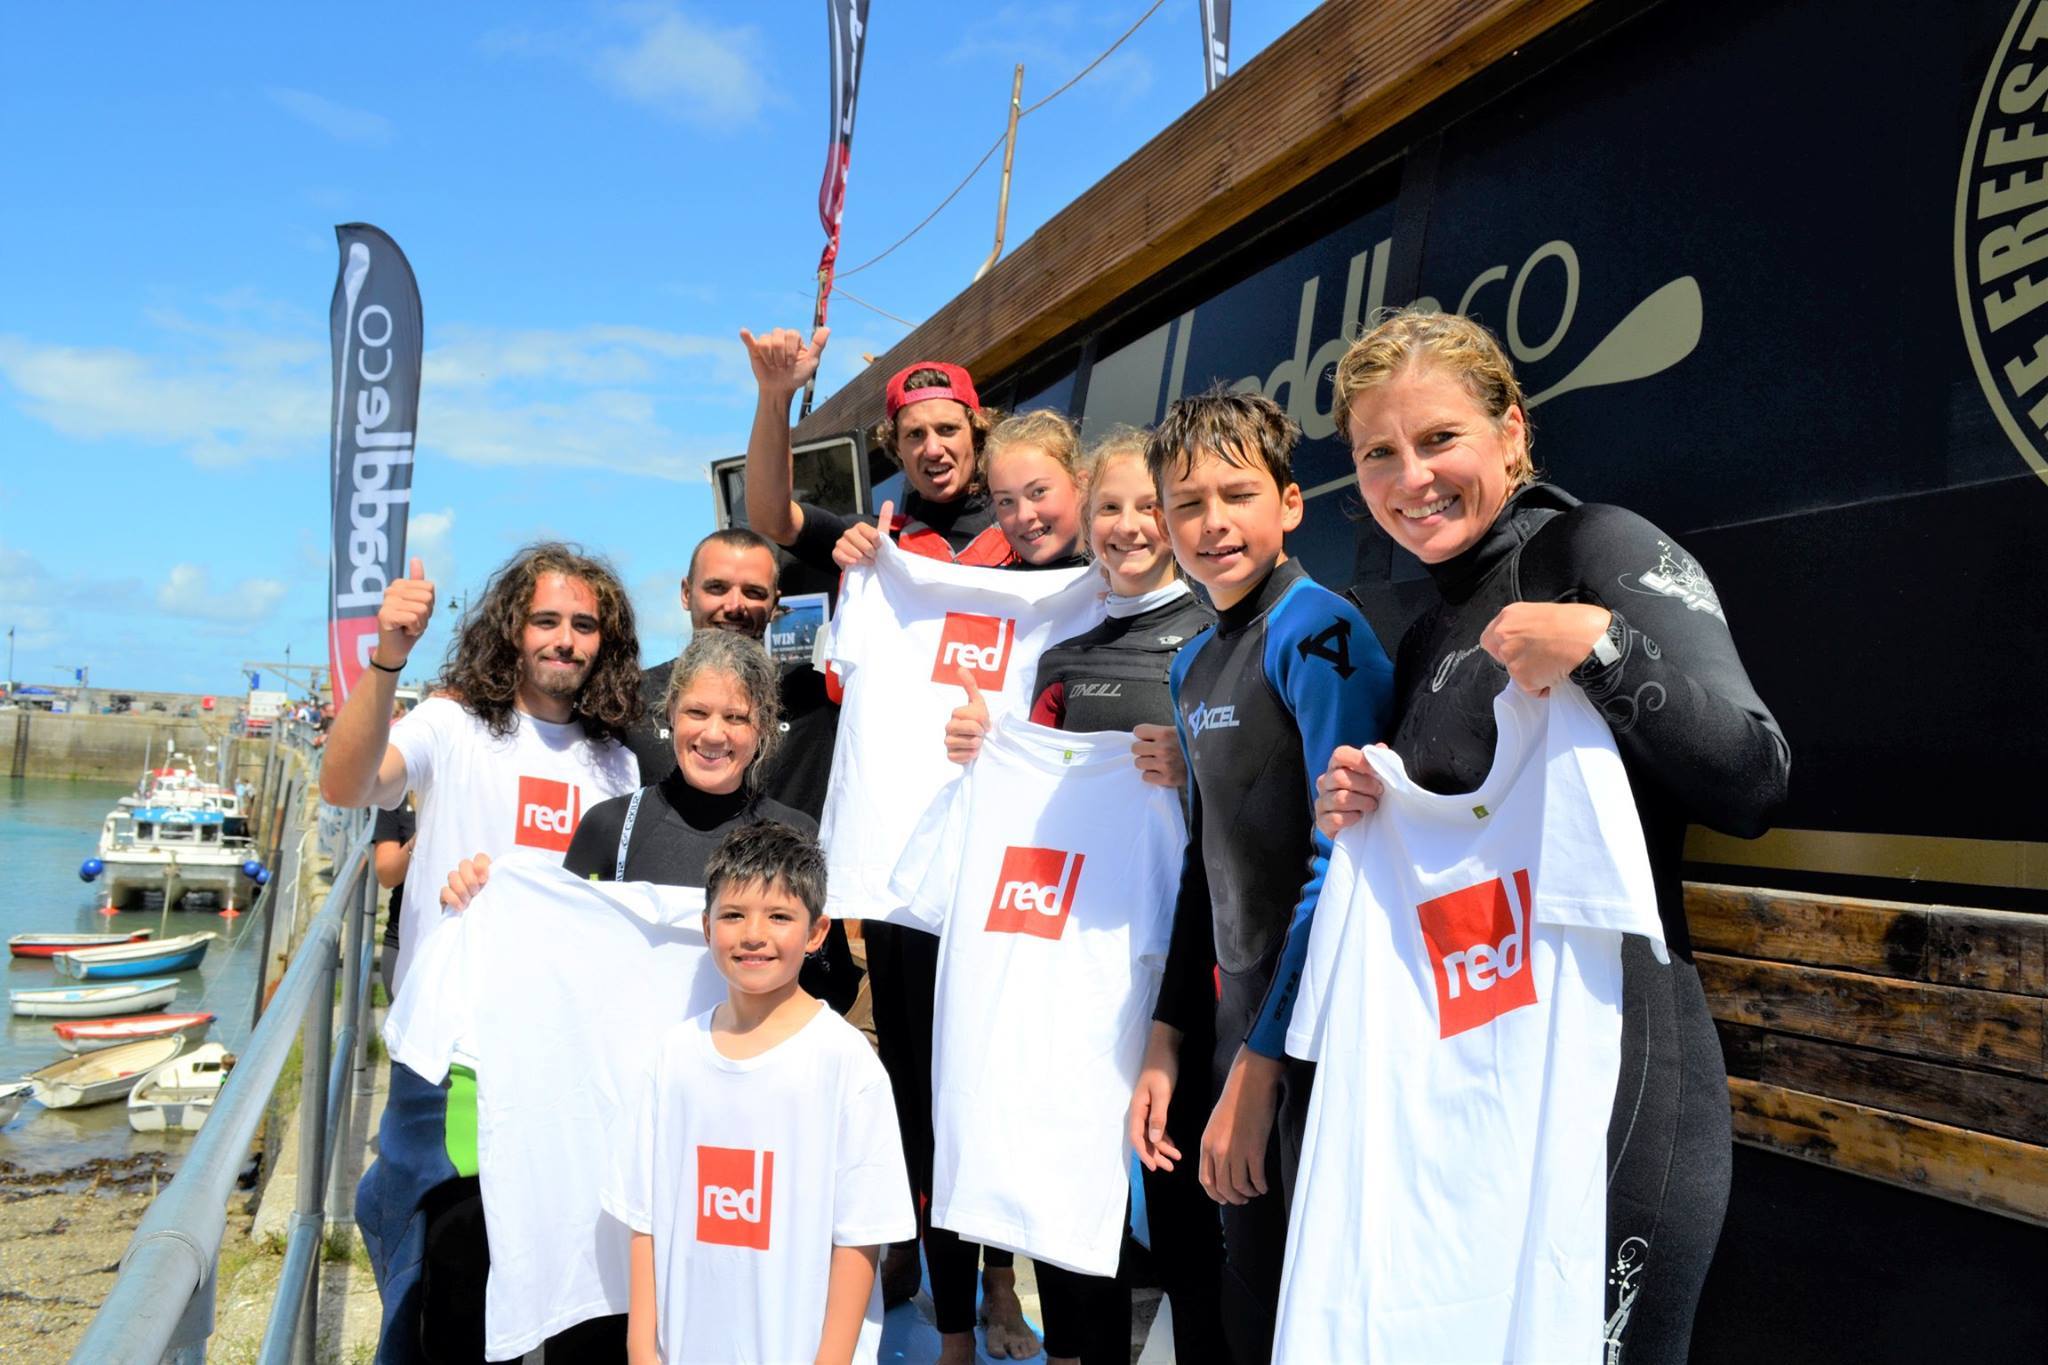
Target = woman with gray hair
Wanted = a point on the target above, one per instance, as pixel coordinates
(724, 715)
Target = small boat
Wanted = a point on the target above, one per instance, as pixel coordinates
(12, 1097)
(99, 1077)
(177, 1096)
(180, 954)
(49, 945)
(95, 1034)
(93, 1002)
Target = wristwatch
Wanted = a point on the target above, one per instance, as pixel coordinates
(1606, 653)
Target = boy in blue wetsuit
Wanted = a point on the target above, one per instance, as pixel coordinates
(1289, 672)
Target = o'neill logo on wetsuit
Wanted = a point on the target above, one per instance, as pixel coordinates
(1478, 942)
(980, 644)
(548, 812)
(1206, 717)
(2001, 235)
(735, 1196)
(1035, 892)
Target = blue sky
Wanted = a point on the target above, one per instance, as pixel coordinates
(594, 198)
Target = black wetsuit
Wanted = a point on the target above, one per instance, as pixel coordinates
(1288, 674)
(1118, 674)
(794, 776)
(1699, 746)
(1114, 677)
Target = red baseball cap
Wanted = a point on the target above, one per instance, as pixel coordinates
(959, 386)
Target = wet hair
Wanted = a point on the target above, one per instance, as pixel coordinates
(980, 421)
(737, 538)
(1248, 430)
(742, 658)
(768, 853)
(1466, 350)
(486, 659)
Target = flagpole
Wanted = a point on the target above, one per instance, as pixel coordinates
(817, 321)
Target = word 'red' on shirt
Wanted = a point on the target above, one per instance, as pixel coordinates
(906, 627)
(1048, 869)
(747, 1172)
(554, 989)
(481, 793)
(1462, 996)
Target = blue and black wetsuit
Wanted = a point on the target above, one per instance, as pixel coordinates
(1288, 674)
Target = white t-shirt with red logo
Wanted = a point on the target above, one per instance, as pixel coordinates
(1462, 998)
(747, 1172)
(906, 625)
(1048, 869)
(555, 990)
(477, 793)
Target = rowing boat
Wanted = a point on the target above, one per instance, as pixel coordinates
(99, 1077)
(93, 1002)
(49, 945)
(180, 954)
(93, 1034)
(177, 1096)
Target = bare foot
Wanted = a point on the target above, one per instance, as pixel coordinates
(956, 1348)
(1006, 1336)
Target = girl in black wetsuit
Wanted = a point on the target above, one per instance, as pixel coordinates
(1114, 677)
(722, 709)
(1540, 588)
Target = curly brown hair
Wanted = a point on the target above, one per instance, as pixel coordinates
(485, 660)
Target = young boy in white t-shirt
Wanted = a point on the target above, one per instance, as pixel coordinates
(765, 1172)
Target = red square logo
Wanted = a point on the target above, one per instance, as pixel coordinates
(1034, 892)
(1478, 941)
(548, 812)
(735, 1196)
(980, 644)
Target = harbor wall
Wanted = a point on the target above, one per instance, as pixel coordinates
(45, 744)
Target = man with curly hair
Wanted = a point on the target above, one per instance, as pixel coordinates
(524, 733)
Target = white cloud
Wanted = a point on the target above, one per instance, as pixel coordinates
(338, 121)
(685, 68)
(188, 591)
(635, 399)
(661, 57)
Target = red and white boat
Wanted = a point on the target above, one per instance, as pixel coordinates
(49, 945)
(90, 1035)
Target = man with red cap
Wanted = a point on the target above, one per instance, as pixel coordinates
(934, 427)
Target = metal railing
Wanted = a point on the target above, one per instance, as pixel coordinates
(161, 1305)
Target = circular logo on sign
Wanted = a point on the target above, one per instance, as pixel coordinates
(2001, 244)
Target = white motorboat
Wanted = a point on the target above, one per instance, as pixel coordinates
(177, 1096)
(93, 1002)
(12, 1097)
(171, 849)
(98, 1077)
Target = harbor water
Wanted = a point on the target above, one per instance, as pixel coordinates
(47, 828)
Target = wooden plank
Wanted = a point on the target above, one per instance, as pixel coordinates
(1997, 950)
(1938, 1023)
(1347, 73)
(1980, 1101)
(1991, 1173)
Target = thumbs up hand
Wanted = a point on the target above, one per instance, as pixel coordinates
(402, 619)
(968, 723)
